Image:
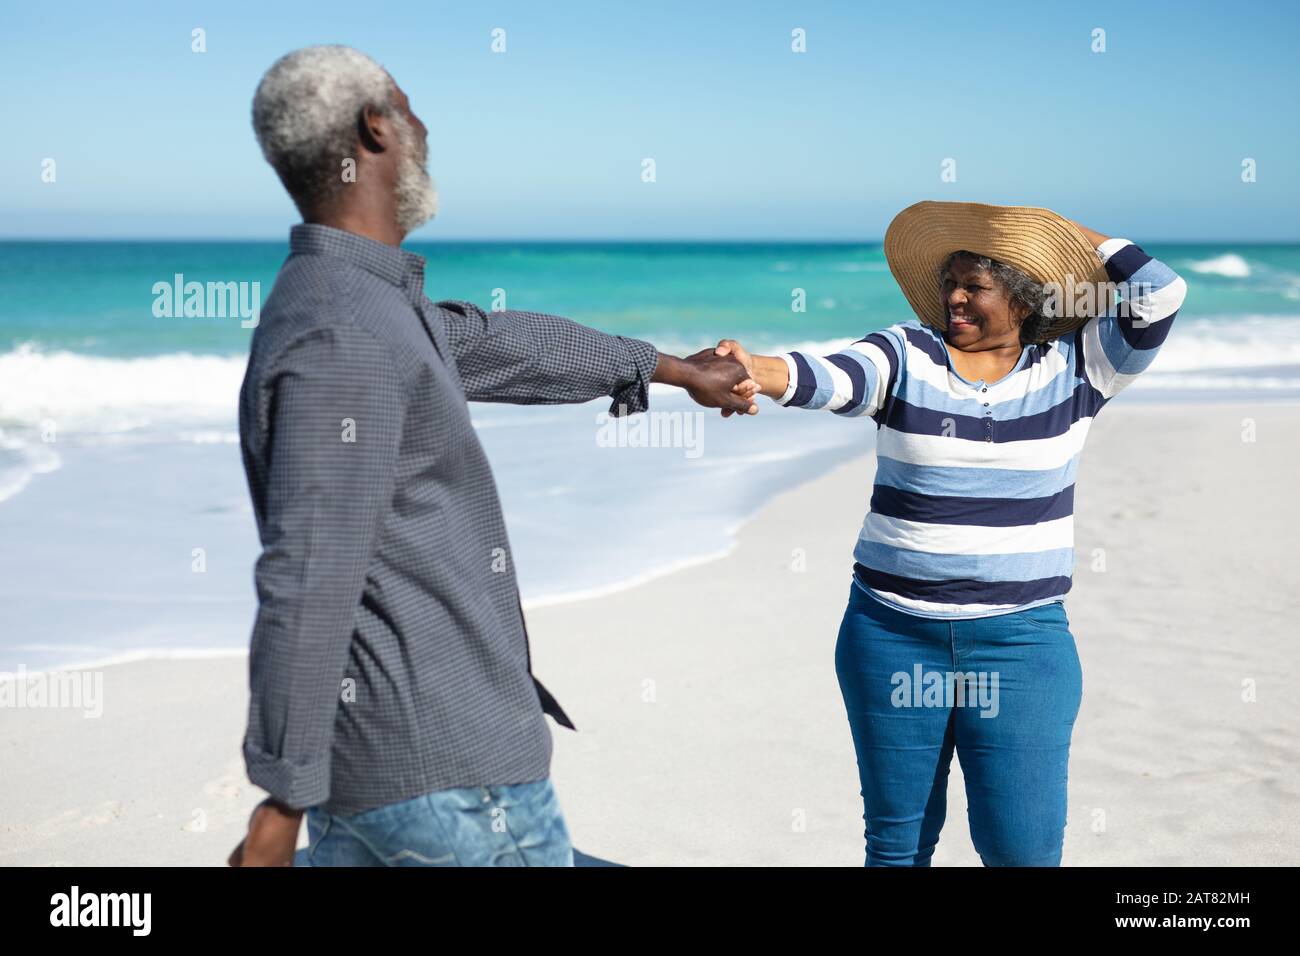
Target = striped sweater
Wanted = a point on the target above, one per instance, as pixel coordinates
(972, 513)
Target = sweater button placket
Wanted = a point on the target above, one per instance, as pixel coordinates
(988, 419)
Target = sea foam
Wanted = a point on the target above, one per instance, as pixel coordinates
(1229, 264)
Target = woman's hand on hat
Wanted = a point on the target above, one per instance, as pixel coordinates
(1091, 235)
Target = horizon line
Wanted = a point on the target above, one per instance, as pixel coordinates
(722, 240)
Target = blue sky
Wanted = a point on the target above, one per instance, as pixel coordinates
(750, 140)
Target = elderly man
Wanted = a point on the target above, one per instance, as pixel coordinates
(392, 695)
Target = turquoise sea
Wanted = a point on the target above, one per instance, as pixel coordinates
(122, 504)
(94, 298)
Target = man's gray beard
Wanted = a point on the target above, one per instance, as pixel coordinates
(417, 198)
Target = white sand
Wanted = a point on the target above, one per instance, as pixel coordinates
(712, 730)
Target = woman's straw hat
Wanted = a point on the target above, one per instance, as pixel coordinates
(1038, 242)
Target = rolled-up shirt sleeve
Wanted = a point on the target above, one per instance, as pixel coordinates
(333, 407)
(531, 358)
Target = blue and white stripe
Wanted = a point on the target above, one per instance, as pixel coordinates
(973, 507)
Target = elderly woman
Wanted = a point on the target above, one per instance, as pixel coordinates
(956, 636)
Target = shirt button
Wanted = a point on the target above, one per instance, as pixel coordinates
(988, 438)
(983, 389)
(986, 404)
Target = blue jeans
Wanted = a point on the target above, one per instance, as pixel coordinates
(513, 825)
(1003, 691)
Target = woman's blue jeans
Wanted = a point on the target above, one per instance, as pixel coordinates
(1003, 691)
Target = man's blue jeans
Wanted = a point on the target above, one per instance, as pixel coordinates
(514, 825)
(1011, 727)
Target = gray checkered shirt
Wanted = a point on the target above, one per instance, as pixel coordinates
(389, 657)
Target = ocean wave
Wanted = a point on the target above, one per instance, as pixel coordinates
(1210, 382)
(1209, 342)
(75, 392)
(21, 460)
(96, 657)
(211, 436)
(191, 397)
(859, 267)
(1228, 342)
(1229, 264)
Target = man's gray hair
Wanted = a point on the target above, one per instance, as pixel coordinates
(306, 115)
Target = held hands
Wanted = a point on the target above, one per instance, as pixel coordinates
(714, 381)
(732, 348)
(729, 374)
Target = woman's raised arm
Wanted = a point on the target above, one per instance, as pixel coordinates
(1121, 343)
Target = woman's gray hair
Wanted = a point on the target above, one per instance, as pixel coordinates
(1021, 289)
(306, 113)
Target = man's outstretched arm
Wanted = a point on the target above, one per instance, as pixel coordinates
(532, 358)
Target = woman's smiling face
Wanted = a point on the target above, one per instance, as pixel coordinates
(978, 307)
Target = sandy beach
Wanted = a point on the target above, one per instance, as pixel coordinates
(711, 730)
